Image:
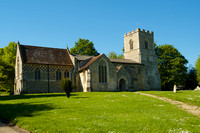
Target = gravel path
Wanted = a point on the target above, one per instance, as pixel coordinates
(195, 110)
(6, 128)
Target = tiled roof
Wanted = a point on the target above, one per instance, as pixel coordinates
(82, 57)
(90, 62)
(44, 55)
(124, 61)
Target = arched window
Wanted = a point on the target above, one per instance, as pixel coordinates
(66, 74)
(146, 45)
(58, 74)
(37, 74)
(102, 72)
(131, 44)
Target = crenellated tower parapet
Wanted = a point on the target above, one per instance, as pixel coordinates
(138, 30)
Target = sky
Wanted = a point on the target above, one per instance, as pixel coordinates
(59, 23)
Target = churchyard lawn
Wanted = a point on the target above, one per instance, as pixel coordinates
(3, 93)
(190, 97)
(96, 112)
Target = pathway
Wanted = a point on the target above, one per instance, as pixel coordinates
(5, 128)
(195, 110)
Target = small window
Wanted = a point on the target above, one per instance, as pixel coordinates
(58, 74)
(131, 44)
(37, 74)
(66, 74)
(146, 45)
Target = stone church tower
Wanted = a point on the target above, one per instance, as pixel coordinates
(139, 47)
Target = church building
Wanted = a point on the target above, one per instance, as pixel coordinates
(41, 69)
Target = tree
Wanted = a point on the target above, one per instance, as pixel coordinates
(7, 67)
(191, 80)
(8, 53)
(121, 56)
(171, 65)
(84, 47)
(197, 67)
(66, 85)
(7, 74)
(114, 55)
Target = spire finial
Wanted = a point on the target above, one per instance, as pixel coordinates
(67, 48)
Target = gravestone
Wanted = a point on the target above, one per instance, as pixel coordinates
(197, 88)
(175, 88)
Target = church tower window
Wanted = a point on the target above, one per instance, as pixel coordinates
(146, 45)
(66, 74)
(131, 44)
(102, 72)
(37, 74)
(58, 74)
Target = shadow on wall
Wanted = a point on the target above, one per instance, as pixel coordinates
(28, 96)
(8, 112)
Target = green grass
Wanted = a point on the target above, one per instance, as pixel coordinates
(95, 112)
(3, 93)
(190, 97)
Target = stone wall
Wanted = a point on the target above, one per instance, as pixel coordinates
(47, 82)
(18, 72)
(111, 84)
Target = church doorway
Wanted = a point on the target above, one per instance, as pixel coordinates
(122, 85)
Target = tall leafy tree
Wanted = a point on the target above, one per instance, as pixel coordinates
(114, 55)
(121, 56)
(191, 80)
(171, 65)
(84, 47)
(7, 66)
(7, 74)
(8, 53)
(197, 67)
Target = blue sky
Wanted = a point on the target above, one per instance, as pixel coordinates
(55, 23)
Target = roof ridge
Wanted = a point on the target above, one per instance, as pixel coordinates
(42, 47)
(90, 62)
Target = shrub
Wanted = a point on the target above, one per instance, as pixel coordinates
(66, 85)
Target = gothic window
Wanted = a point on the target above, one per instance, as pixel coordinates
(58, 74)
(66, 74)
(131, 44)
(146, 45)
(37, 74)
(102, 72)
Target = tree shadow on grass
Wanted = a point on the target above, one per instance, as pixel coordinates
(28, 96)
(8, 112)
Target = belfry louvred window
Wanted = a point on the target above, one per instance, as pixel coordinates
(131, 44)
(146, 45)
(102, 72)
